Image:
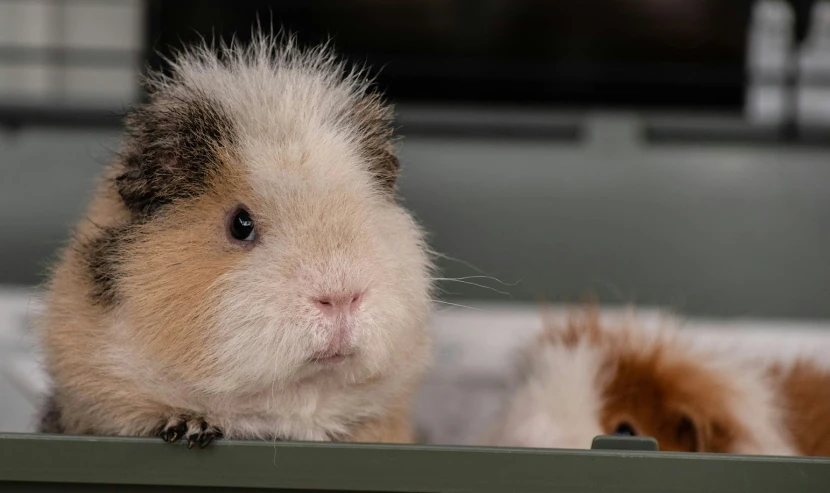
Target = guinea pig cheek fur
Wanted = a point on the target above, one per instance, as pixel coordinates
(270, 328)
(173, 291)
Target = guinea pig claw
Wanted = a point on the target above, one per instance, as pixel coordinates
(205, 441)
(202, 439)
(172, 432)
(194, 431)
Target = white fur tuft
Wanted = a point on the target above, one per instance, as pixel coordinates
(559, 402)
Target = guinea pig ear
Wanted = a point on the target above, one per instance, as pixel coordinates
(375, 122)
(385, 168)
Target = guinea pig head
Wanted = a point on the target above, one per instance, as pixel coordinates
(658, 391)
(264, 245)
(582, 379)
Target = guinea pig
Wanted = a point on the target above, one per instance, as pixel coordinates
(584, 378)
(245, 268)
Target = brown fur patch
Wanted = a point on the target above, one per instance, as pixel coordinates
(174, 151)
(651, 384)
(664, 395)
(172, 299)
(806, 399)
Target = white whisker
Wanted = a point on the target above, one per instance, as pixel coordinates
(463, 262)
(463, 278)
(460, 280)
(458, 305)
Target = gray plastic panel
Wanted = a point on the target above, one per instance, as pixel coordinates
(62, 463)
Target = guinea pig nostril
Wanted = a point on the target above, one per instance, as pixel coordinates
(324, 304)
(340, 303)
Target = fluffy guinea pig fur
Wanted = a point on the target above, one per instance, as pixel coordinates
(584, 378)
(244, 268)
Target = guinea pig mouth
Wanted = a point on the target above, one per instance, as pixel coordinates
(331, 358)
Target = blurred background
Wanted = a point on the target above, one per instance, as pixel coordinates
(649, 151)
(670, 153)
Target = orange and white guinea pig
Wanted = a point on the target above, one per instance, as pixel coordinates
(583, 378)
(244, 268)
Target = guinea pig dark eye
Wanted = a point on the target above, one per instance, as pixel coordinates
(242, 226)
(625, 429)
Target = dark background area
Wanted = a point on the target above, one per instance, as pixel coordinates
(636, 53)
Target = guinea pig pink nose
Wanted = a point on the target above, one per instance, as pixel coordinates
(339, 304)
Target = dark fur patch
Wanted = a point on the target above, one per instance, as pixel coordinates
(102, 256)
(376, 123)
(171, 151)
(50, 417)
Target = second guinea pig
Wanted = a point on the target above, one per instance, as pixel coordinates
(244, 268)
(585, 377)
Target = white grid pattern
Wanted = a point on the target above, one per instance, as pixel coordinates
(70, 50)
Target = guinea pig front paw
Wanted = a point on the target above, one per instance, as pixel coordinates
(194, 430)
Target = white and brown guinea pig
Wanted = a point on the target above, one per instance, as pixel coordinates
(244, 268)
(584, 378)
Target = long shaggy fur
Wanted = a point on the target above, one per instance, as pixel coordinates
(586, 377)
(154, 315)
